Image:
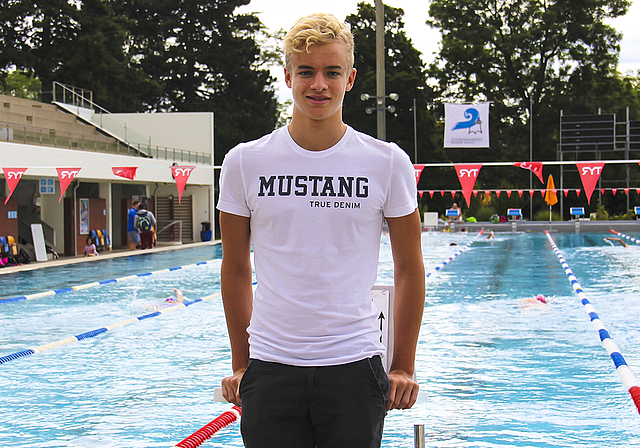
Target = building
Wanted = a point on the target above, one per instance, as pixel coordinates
(105, 161)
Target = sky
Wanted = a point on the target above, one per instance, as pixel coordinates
(283, 13)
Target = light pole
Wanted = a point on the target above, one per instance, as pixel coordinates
(380, 108)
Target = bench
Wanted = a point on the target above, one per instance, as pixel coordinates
(514, 214)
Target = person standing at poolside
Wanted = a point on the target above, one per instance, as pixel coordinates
(132, 232)
(311, 198)
(145, 222)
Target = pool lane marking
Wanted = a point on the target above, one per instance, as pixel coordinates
(630, 238)
(628, 380)
(206, 432)
(99, 331)
(54, 292)
(450, 259)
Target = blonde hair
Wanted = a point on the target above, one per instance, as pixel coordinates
(320, 29)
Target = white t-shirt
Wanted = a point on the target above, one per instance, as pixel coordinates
(316, 222)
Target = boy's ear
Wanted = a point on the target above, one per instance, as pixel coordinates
(351, 79)
(287, 77)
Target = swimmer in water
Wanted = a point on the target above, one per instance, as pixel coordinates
(537, 301)
(609, 239)
(171, 301)
(491, 235)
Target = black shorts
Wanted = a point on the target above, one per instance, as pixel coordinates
(339, 406)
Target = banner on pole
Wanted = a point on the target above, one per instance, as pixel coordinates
(128, 172)
(181, 175)
(466, 125)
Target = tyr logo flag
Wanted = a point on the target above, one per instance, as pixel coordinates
(589, 174)
(128, 172)
(13, 176)
(418, 171)
(534, 167)
(181, 175)
(66, 175)
(468, 174)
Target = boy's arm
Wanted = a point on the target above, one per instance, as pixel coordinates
(409, 279)
(237, 296)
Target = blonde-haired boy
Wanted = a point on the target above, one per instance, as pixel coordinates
(311, 199)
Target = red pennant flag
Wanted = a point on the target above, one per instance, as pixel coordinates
(66, 176)
(508, 193)
(128, 172)
(475, 193)
(531, 192)
(13, 176)
(468, 174)
(637, 190)
(626, 191)
(431, 193)
(602, 190)
(614, 190)
(566, 192)
(498, 193)
(543, 193)
(442, 193)
(418, 172)
(453, 193)
(420, 192)
(520, 193)
(589, 174)
(534, 167)
(578, 191)
(181, 175)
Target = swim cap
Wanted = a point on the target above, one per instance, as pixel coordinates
(541, 298)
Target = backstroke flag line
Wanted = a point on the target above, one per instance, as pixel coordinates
(466, 125)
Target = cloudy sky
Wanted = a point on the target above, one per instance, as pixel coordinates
(416, 12)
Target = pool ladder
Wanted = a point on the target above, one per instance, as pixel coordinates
(418, 436)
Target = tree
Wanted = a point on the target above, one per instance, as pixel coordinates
(206, 59)
(405, 75)
(525, 55)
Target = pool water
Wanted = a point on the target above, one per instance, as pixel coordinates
(492, 374)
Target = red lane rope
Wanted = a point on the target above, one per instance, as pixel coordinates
(197, 438)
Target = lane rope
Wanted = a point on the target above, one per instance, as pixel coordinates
(99, 331)
(451, 258)
(54, 292)
(624, 372)
(622, 235)
(207, 431)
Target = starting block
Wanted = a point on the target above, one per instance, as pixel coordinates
(576, 212)
(514, 214)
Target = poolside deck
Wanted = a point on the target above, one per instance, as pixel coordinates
(116, 253)
(575, 226)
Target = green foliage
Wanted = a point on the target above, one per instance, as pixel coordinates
(522, 55)
(22, 85)
(404, 74)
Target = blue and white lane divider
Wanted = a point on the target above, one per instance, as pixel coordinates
(54, 292)
(99, 331)
(628, 380)
(451, 258)
(630, 238)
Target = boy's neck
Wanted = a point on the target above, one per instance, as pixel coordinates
(316, 135)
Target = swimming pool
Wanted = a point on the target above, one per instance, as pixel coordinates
(491, 373)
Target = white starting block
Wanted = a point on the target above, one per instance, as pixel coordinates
(382, 296)
(636, 210)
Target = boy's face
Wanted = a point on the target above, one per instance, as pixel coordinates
(319, 79)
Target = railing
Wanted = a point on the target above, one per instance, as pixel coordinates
(26, 218)
(31, 135)
(135, 139)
